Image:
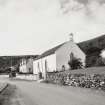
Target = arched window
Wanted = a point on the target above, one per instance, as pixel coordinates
(71, 56)
(63, 67)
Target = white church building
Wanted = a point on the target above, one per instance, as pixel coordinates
(56, 58)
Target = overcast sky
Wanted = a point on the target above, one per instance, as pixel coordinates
(33, 26)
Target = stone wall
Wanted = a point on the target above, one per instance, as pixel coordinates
(96, 81)
(27, 77)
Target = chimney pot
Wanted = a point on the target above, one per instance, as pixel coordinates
(71, 37)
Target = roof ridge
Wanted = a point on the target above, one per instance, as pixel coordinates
(50, 51)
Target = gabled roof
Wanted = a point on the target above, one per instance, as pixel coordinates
(84, 46)
(50, 51)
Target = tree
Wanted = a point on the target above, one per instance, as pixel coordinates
(100, 61)
(91, 60)
(93, 53)
(75, 63)
(93, 50)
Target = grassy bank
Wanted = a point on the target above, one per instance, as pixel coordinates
(85, 78)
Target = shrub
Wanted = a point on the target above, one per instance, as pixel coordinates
(75, 63)
(91, 60)
(100, 62)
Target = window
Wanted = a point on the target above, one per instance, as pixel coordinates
(38, 66)
(63, 67)
(46, 68)
(29, 70)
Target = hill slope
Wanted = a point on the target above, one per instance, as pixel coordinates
(7, 61)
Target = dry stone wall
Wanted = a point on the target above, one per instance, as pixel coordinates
(95, 81)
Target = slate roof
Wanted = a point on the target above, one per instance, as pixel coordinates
(50, 51)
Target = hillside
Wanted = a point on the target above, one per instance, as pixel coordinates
(96, 43)
(92, 49)
(7, 61)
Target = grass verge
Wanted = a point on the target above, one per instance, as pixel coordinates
(7, 94)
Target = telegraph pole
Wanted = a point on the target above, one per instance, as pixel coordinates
(11, 61)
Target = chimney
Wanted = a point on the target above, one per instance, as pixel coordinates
(71, 37)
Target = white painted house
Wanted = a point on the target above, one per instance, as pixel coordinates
(58, 57)
(26, 65)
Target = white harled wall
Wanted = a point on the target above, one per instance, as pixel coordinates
(51, 64)
(37, 69)
(63, 54)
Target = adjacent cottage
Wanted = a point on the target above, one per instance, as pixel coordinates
(26, 65)
(57, 58)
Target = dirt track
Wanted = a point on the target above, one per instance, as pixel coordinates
(32, 93)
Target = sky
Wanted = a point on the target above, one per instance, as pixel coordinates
(33, 26)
